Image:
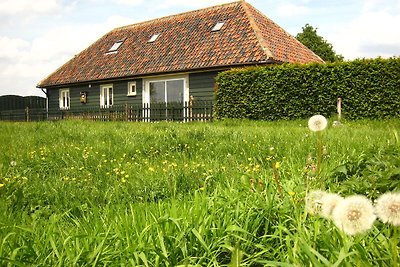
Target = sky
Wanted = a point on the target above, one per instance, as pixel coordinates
(38, 36)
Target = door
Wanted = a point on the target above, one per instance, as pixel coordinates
(165, 98)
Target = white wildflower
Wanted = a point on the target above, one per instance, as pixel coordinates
(388, 208)
(329, 203)
(317, 123)
(314, 202)
(354, 215)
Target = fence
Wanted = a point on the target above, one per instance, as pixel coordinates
(14, 102)
(184, 112)
(27, 114)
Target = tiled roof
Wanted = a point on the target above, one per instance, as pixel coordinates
(185, 42)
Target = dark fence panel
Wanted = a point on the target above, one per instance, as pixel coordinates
(14, 102)
(24, 115)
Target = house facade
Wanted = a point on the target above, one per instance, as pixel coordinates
(173, 59)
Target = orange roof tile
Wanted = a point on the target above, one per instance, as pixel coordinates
(185, 42)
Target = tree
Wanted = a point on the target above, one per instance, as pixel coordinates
(317, 44)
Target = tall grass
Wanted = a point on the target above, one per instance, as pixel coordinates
(138, 194)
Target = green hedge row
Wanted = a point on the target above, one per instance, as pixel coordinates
(369, 89)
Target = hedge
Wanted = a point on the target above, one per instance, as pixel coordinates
(369, 88)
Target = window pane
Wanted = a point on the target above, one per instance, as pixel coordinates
(175, 91)
(157, 92)
(103, 97)
(64, 99)
(110, 96)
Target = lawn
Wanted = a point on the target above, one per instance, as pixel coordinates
(81, 193)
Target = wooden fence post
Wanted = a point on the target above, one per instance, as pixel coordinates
(126, 112)
(27, 114)
(339, 108)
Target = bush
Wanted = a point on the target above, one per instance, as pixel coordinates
(369, 89)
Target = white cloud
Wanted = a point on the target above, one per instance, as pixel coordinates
(370, 35)
(23, 63)
(118, 21)
(10, 47)
(119, 2)
(129, 2)
(389, 6)
(13, 7)
(288, 10)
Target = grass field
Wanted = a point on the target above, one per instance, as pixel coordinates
(79, 193)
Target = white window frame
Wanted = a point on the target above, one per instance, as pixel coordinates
(64, 99)
(218, 26)
(105, 90)
(115, 46)
(146, 90)
(132, 88)
(153, 38)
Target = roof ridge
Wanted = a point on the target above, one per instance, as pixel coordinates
(177, 15)
(256, 29)
(259, 34)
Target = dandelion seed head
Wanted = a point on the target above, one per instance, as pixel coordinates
(314, 202)
(387, 208)
(329, 203)
(317, 123)
(354, 215)
(13, 163)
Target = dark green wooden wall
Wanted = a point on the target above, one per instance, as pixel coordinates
(120, 90)
(201, 86)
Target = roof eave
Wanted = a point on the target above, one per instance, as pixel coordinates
(268, 61)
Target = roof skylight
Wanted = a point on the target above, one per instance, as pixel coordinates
(218, 26)
(153, 38)
(115, 46)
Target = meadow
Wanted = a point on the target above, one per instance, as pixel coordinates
(81, 193)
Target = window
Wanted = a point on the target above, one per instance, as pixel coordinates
(115, 47)
(167, 89)
(154, 37)
(106, 96)
(165, 97)
(64, 99)
(218, 26)
(131, 88)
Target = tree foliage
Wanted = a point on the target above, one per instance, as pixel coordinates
(317, 44)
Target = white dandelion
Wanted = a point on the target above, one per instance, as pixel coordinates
(354, 215)
(314, 202)
(317, 123)
(329, 203)
(387, 208)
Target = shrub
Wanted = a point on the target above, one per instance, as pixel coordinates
(369, 89)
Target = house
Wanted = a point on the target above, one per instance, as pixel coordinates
(173, 59)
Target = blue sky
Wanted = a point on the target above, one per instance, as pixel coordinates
(37, 37)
